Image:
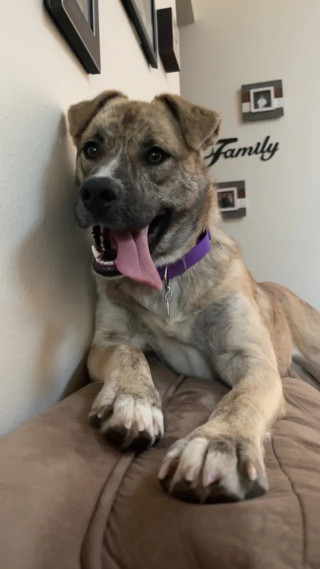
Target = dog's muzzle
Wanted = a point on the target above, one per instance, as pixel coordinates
(125, 230)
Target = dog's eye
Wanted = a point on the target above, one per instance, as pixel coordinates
(156, 155)
(91, 150)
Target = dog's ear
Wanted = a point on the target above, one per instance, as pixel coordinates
(81, 114)
(200, 127)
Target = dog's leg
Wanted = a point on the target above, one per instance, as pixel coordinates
(223, 459)
(128, 407)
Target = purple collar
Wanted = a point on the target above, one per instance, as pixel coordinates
(197, 253)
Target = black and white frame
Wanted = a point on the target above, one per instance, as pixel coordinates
(235, 195)
(227, 199)
(262, 101)
(149, 41)
(80, 27)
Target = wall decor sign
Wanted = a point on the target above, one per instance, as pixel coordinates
(262, 101)
(78, 22)
(223, 149)
(142, 14)
(168, 36)
(232, 199)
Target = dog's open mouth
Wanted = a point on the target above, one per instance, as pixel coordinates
(124, 253)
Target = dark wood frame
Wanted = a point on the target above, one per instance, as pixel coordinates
(72, 23)
(167, 53)
(275, 113)
(150, 50)
(240, 185)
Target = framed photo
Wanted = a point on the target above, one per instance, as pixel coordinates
(142, 13)
(262, 100)
(227, 199)
(232, 199)
(168, 34)
(78, 22)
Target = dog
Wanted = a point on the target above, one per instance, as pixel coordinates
(169, 280)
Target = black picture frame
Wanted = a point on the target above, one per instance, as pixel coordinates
(149, 45)
(81, 34)
(168, 40)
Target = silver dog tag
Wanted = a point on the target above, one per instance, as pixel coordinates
(167, 292)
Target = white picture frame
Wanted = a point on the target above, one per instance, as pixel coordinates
(230, 197)
(262, 100)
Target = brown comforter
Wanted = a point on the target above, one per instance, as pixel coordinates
(70, 501)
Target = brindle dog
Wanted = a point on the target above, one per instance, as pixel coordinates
(144, 188)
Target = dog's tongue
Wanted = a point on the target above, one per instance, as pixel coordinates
(133, 257)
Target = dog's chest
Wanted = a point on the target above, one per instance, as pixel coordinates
(186, 359)
(173, 341)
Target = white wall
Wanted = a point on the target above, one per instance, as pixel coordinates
(235, 43)
(46, 292)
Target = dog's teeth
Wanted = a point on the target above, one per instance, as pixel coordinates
(95, 252)
(109, 264)
(99, 259)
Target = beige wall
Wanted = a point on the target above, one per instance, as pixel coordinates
(45, 291)
(234, 43)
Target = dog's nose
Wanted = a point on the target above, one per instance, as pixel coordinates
(97, 193)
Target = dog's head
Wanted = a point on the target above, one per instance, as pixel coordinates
(141, 179)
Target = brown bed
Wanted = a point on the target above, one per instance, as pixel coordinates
(69, 500)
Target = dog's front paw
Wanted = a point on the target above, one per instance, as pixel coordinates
(128, 420)
(213, 468)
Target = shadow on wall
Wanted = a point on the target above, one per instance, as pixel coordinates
(53, 264)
